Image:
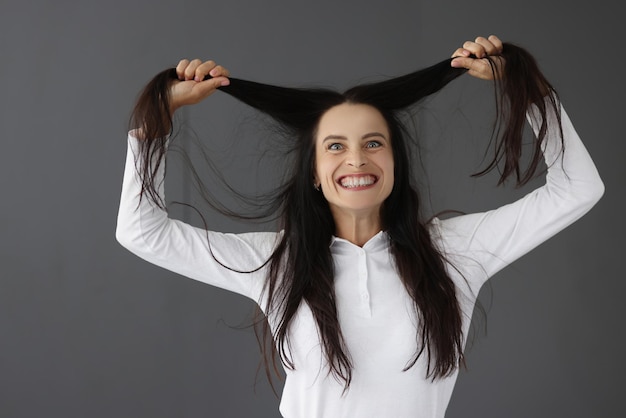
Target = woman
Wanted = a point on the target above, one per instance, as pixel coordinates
(368, 304)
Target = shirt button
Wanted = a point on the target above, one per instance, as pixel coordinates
(365, 296)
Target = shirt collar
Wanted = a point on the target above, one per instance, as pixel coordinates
(377, 242)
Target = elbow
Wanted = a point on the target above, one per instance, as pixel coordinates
(126, 238)
(596, 192)
(600, 191)
(123, 237)
(591, 195)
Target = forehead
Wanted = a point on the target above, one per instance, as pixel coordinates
(349, 119)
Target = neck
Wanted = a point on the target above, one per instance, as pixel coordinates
(356, 227)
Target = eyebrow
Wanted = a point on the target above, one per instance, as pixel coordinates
(366, 136)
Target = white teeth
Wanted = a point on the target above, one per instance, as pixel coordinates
(360, 181)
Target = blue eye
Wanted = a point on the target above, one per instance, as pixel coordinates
(373, 144)
(335, 147)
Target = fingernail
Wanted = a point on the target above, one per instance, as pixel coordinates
(225, 82)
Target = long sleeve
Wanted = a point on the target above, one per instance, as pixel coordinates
(147, 231)
(494, 239)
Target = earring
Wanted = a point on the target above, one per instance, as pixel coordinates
(316, 187)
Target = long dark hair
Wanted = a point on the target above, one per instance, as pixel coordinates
(301, 267)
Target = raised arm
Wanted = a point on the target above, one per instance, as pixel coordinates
(489, 241)
(143, 226)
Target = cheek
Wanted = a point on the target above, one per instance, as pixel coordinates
(324, 169)
(391, 180)
(318, 162)
(387, 164)
(324, 173)
(390, 173)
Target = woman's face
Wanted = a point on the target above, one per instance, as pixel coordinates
(354, 159)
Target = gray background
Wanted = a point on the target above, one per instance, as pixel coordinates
(89, 330)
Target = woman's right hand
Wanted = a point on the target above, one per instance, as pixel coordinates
(191, 88)
(473, 57)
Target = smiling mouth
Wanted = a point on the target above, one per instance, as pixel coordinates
(353, 182)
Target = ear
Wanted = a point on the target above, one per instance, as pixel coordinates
(316, 182)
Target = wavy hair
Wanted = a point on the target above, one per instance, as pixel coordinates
(301, 267)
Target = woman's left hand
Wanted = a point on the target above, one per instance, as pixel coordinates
(472, 55)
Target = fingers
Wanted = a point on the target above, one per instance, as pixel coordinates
(481, 68)
(197, 80)
(180, 69)
(197, 70)
(475, 67)
(480, 47)
(472, 56)
(461, 52)
(219, 71)
(496, 42)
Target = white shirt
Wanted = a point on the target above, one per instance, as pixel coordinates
(376, 314)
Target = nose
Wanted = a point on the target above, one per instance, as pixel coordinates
(356, 158)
